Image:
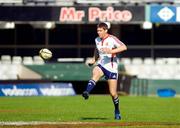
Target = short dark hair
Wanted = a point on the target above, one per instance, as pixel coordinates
(102, 25)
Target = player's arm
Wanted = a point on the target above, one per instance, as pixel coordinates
(93, 60)
(119, 49)
(96, 54)
(120, 46)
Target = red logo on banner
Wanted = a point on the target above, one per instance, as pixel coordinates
(71, 14)
(94, 14)
(109, 14)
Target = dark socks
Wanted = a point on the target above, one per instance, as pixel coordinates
(116, 103)
(91, 84)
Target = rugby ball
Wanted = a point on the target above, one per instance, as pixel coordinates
(45, 53)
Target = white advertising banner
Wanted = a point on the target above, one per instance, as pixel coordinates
(178, 14)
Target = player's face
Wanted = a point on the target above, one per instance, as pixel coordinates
(101, 32)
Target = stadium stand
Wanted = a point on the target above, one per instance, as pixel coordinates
(159, 61)
(37, 60)
(63, 71)
(144, 68)
(27, 60)
(148, 68)
(8, 72)
(40, 2)
(126, 61)
(148, 61)
(11, 1)
(16, 60)
(65, 2)
(172, 61)
(70, 60)
(137, 60)
(147, 1)
(6, 59)
(73, 2)
(97, 1)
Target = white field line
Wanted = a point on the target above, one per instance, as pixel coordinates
(20, 123)
(33, 123)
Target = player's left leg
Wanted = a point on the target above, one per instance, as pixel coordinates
(113, 92)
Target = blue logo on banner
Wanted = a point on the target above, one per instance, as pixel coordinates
(47, 89)
(163, 14)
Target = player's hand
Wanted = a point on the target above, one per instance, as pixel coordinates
(90, 62)
(106, 50)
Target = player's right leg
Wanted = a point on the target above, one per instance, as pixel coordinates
(96, 75)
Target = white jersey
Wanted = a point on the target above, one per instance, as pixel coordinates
(108, 61)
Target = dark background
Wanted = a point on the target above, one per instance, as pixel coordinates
(77, 40)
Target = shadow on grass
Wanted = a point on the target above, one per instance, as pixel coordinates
(93, 118)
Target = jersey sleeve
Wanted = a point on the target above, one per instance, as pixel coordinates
(117, 42)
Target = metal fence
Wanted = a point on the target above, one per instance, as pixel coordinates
(139, 87)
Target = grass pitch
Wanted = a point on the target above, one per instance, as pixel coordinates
(97, 111)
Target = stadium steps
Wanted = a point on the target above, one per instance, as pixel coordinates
(63, 71)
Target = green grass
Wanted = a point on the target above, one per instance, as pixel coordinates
(98, 108)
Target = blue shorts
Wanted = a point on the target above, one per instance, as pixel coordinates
(108, 74)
